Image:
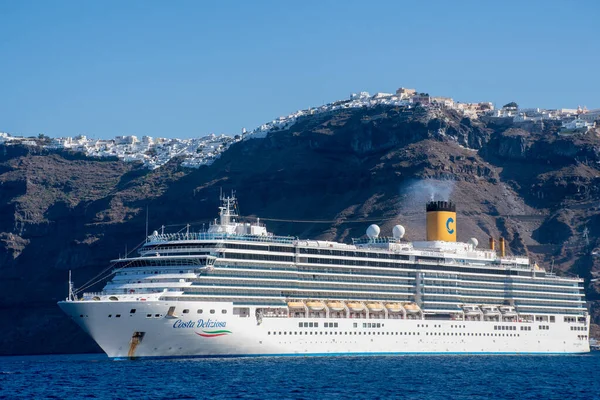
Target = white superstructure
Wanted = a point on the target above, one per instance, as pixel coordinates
(237, 290)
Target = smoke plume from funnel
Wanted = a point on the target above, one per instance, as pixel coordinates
(425, 190)
(415, 194)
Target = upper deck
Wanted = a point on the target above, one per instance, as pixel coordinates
(228, 235)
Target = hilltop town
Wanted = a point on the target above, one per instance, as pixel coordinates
(155, 152)
(366, 158)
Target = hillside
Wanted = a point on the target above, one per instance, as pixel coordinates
(62, 211)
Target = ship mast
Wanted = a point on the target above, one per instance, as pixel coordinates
(71, 295)
(227, 210)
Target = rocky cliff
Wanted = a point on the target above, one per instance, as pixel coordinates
(60, 211)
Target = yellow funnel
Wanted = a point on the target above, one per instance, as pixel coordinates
(441, 221)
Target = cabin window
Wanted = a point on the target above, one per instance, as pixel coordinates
(212, 311)
(116, 316)
(199, 311)
(132, 311)
(223, 311)
(186, 311)
(148, 315)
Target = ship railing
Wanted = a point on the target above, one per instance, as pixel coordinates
(275, 315)
(90, 295)
(180, 249)
(167, 237)
(383, 239)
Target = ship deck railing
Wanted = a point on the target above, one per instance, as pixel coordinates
(92, 294)
(169, 237)
(377, 240)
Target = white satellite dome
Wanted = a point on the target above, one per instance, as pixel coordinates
(155, 233)
(398, 232)
(474, 242)
(373, 231)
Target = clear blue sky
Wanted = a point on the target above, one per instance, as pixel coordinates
(189, 68)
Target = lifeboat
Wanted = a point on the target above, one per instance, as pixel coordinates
(356, 307)
(412, 308)
(394, 307)
(508, 311)
(295, 304)
(315, 305)
(471, 310)
(490, 311)
(375, 307)
(336, 306)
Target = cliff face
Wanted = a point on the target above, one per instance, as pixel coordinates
(59, 211)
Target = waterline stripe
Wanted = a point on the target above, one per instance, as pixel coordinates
(363, 354)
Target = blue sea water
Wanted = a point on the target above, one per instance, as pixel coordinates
(405, 377)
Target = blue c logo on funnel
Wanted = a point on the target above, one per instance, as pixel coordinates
(448, 228)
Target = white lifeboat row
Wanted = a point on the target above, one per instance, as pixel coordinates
(372, 307)
(489, 310)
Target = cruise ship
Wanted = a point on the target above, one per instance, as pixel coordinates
(237, 290)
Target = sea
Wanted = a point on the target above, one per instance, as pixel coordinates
(392, 377)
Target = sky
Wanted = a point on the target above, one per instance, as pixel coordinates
(189, 68)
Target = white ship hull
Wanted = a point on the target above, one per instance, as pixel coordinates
(220, 335)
